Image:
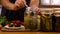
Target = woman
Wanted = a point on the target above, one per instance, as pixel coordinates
(14, 9)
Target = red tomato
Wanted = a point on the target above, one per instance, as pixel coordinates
(18, 21)
(13, 21)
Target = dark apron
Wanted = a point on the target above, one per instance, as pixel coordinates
(14, 15)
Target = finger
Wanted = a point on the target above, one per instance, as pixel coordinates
(19, 3)
(24, 2)
(16, 3)
(18, 0)
(38, 12)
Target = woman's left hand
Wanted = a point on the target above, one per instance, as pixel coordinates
(37, 10)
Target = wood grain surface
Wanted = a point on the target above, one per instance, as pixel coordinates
(29, 32)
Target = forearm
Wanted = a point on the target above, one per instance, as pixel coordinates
(8, 5)
(34, 3)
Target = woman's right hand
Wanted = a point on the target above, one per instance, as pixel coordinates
(20, 3)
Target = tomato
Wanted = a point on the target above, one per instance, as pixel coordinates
(13, 21)
(18, 21)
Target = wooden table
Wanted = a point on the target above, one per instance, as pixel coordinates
(29, 32)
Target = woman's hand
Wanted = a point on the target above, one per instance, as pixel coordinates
(20, 3)
(34, 4)
(37, 10)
